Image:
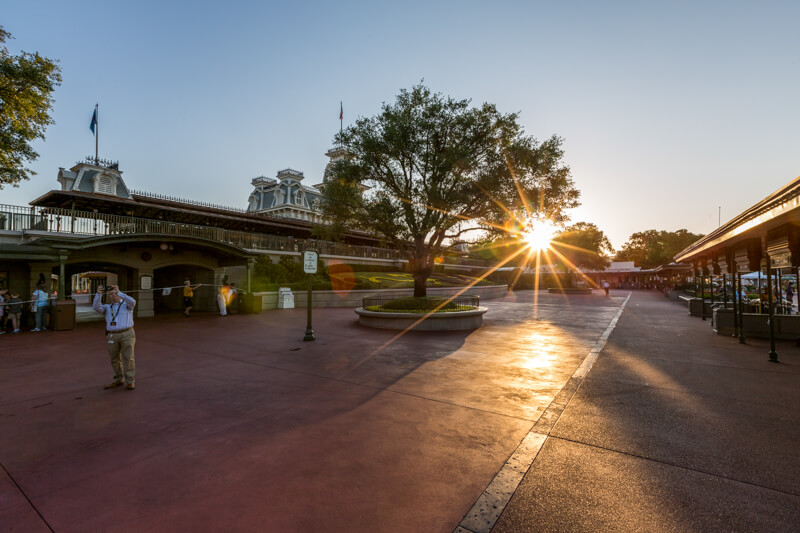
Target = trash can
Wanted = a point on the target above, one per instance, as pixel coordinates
(250, 303)
(62, 315)
(285, 298)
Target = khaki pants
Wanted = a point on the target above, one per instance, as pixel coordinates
(121, 352)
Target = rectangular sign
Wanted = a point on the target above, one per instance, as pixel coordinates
(146, 283)
(310, 262)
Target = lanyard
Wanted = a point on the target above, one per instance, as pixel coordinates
(114, 314)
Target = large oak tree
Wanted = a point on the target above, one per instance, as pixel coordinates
(582, 246)
(651, 248)
(27, 82)
(437, 168)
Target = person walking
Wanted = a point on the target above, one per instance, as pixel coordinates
(188, 296)
(40, 305)
(3, 298)
(15, 310)
(233, 301)
(222, 299)
(790, 295)
(120, 336)
(606, 286)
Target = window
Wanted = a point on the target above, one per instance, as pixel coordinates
(105, 185)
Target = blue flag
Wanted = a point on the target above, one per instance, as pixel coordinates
(94, 120)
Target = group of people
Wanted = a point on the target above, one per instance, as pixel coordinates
(226, 297)
(12, 306)
(118, 314)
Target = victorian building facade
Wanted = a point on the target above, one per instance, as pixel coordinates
(285, 196)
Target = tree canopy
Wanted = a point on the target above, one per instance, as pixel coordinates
(27, 82)
(437, 168)
(581, 246)
(652, 248)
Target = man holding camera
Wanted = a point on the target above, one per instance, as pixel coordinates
(119, 334)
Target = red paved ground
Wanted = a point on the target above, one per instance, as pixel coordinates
(238, 425)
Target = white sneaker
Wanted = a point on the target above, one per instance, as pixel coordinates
(36, 329)
(2, 332)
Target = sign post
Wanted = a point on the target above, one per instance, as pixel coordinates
(310, 268)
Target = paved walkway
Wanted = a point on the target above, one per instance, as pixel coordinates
(238, 425)
(674, 429)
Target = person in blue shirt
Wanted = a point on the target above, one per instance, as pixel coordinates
(119, 334)
(40, 305)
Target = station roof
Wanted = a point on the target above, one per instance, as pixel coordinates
(142, 206)
(781, 208)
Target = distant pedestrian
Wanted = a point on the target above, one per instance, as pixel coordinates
(40, 306)
(120, 336)
(188, 295)
(233, 301)
(15, 310)
(222, 299)
(3, 313)
(606, 286)
(789, 294)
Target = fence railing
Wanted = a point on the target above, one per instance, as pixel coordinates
(67, 221)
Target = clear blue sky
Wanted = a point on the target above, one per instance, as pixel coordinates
(667, 110)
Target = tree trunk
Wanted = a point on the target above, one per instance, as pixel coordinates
(420, 270)
(420, 286)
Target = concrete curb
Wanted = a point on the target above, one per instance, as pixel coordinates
(484, 513)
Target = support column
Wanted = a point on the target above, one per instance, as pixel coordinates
(773, 355)
(250, 265)
(797, 287)
(741, 305)
(62, 274)
(734, 299)
(702, 294)
(725, 291)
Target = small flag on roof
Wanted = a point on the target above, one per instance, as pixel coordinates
(94, 120)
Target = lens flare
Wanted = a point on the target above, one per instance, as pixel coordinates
(539, 234)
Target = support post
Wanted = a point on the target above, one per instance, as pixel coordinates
(702, 295)
(797, 287)
(309, 331)
(711, 287)
(725, 290)
(250, 264)
(62, 272)
(734, 299)
(773, 355)
(741, 306)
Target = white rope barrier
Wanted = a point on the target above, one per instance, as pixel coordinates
(8, 303)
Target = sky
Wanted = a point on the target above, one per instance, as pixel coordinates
(673, 114)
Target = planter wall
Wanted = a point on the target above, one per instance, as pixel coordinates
(787, 327)
(455, 321)
(354, 298)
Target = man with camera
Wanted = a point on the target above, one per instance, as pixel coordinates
(119, 334)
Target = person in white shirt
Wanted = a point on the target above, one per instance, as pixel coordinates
(119, 334)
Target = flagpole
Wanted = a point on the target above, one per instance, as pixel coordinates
(341, 116)
(96, 133)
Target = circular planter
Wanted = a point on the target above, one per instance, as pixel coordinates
(569, 290)
(455, 321)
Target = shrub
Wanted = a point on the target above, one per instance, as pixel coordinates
(423, 304)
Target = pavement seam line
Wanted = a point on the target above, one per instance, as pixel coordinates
(36, 510)
(673, 465)
(484, 513)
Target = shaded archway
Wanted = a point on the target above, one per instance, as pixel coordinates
(174, 276)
